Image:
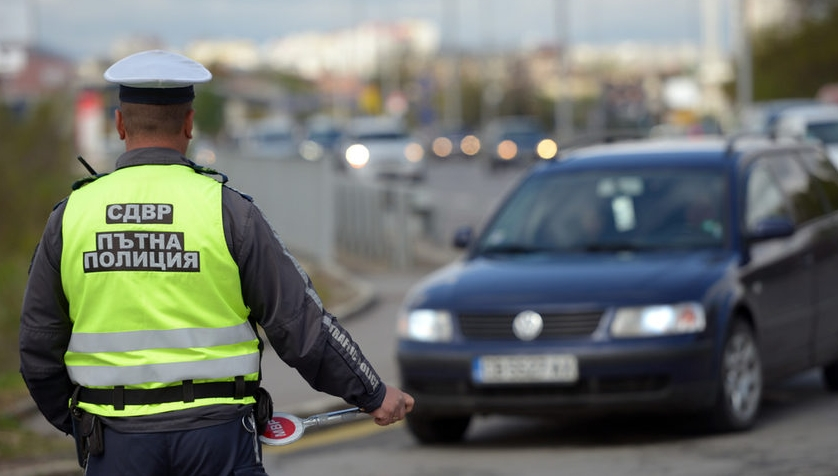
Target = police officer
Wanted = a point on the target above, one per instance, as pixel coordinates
(138, 329)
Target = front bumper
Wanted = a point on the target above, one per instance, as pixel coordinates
(667, 375)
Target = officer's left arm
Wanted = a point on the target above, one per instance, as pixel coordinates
(45, 330)
(283, 301)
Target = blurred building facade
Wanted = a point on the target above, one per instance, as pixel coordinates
(406, 62)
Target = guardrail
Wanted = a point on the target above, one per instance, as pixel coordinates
(318, 211)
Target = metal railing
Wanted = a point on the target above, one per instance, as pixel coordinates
(318, 211)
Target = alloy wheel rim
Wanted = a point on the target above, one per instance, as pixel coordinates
(743, 381)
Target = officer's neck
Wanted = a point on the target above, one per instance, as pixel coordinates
(176, 143)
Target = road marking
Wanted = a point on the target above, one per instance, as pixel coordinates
(328, 436)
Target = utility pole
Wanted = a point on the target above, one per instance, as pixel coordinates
(563, 106)
(713, 71)
(453, 97)
(744, 76)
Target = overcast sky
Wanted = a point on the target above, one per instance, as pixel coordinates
(81, 28)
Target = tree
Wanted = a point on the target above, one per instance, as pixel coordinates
(796, 61)
(209, 112)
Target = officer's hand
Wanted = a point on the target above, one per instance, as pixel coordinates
(395, 406)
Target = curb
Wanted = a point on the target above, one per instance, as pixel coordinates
(364, 294)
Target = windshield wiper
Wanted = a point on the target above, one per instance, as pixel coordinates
(512, 249)
(615, 246)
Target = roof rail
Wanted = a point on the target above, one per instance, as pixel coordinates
(601, 137)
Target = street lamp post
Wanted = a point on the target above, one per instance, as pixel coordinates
(744, 76)
(453, 98)
(563, 106)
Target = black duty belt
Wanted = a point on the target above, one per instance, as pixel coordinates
(186, 392)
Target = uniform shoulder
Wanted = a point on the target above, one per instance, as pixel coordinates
(228, 190)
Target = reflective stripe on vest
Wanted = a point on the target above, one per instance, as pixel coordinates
(155, 297)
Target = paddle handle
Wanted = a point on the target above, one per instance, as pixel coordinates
(331, 417)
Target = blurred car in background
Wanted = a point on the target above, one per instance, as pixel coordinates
(517, 140)
(320, 139)
(761, 117)
(818, 122)
(273, 138)
(677, 276)
(381, 147)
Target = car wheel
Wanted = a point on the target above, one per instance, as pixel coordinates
(830, 376)
(740, 381)
(434, 430)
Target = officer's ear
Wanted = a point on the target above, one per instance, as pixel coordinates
(120, 124)
(187, 124)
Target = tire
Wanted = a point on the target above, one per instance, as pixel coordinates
(437, 430)
(830, 376)
(740, 381)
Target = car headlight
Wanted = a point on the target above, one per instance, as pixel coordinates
(357, 156)
(507, 149)
(547, 149)
(470, 145)
(427, 325)
(414, 152)
(646, 321)
(311, 150)
(442, 147)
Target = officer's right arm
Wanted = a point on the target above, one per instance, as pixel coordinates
(45, 329)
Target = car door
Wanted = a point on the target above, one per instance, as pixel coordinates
(780, 274)
(825, 332)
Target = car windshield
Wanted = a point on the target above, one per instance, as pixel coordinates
(609, 211)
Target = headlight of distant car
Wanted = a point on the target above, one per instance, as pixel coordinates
(470, 145)
(357, 155)
(442, 147)
(427, 325)
(547, 149)
(311, 150)
(507, 149)
(414, 152)
(647, 321)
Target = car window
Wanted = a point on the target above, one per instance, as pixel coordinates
(796, 183)
(826, 131)
(764, 199)
(611, 210)
(824, 174)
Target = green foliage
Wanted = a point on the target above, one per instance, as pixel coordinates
(35, 162)
(795, 63)
(209, 112)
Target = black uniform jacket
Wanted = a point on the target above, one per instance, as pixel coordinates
(275, 288)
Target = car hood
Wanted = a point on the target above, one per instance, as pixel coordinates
(597, 281)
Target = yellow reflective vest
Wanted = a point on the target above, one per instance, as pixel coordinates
(154, 295)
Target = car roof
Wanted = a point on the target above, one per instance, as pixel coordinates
(815, 112)
(701, 151)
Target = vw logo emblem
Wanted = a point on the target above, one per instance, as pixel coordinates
(527, 325)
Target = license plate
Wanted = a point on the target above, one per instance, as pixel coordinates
(525, 368)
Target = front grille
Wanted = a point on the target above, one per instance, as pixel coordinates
(556, 326)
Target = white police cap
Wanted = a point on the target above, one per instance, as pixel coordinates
(157, 77)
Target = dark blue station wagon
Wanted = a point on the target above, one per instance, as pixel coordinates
(680, 276)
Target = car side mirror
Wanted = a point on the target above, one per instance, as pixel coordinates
(462, 237)
(769, 228)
